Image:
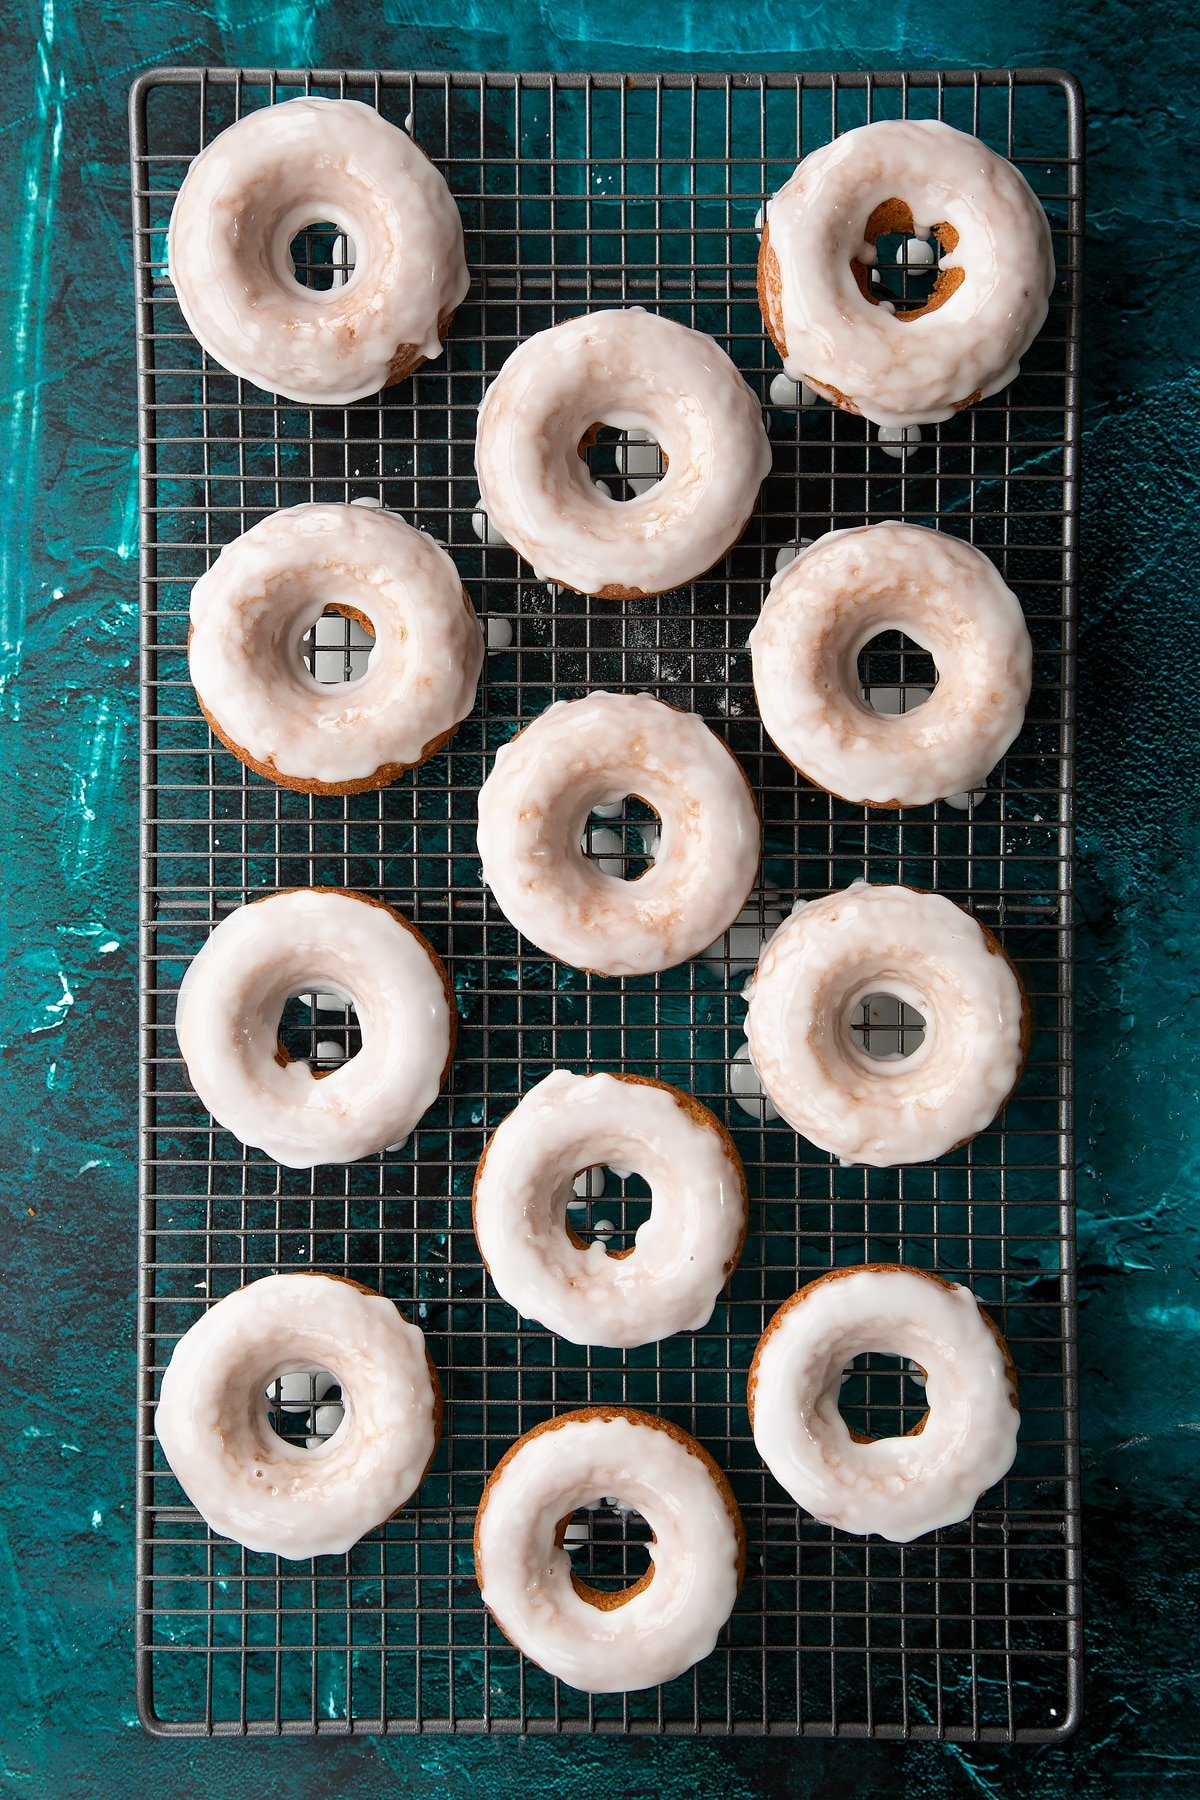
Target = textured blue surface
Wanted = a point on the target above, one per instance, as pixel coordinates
(67, 702)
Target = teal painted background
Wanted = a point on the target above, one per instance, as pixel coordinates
(69, 763)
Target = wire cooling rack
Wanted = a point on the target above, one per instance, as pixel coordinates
(579, 192)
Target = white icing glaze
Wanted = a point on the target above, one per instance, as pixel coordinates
(588, 1185)
(746, 1088)
(905, 699)
(740, 947)
(898, 1487)
(268, 588)
(919, 370)
(525, 1576)
(255, 1487)
(844, 590)
(231, 999)
(606, 849)
(897, 440)
(784, 392)
(787, 553)
(341, 649)
(342, 256)
(639, 460)
(534, 805)
(682, 1254)
(247, 195)
(915, 253)
(326, 1420)
(828, 957)
(641, 374)
(300, 1388)
(484, 529)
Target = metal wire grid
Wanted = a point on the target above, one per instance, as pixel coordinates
(577, 192)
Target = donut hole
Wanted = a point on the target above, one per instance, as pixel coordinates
(621, 837)
(895, 675)
(629, 463)
(304, 1406)
(882, 1396)
(320, 1029)
(608, 1206)
(609, 1548)
(322, 255)
(886, 1027)
(905, 273)
(337, 649)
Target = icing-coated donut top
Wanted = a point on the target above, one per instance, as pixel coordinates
(534, 806)
(258, 1488)
(894, 370)
(248, 194)
(668, 1280)
(904, 1486)
(665, 1624)
(644, 374)
(839, 594)
(299, 941)
(267, 589)
(829, 956)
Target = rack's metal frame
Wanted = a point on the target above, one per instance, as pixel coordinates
(579, 191)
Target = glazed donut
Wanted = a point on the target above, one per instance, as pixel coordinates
(669, 1279)
(989, 301)
(639, 373)
(263, 180)
(828, 957)
(534, 806)
(266, 591)
(600, 1641)
(253, 1486)
(897, 1487)
(831, 601)
(295, 942)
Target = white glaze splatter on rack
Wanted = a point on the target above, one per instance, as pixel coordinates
(788, 394)
(639, 460)
(299, 1389)
(740, 947)
(915, 253)
(484, 530)
(787, 553)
